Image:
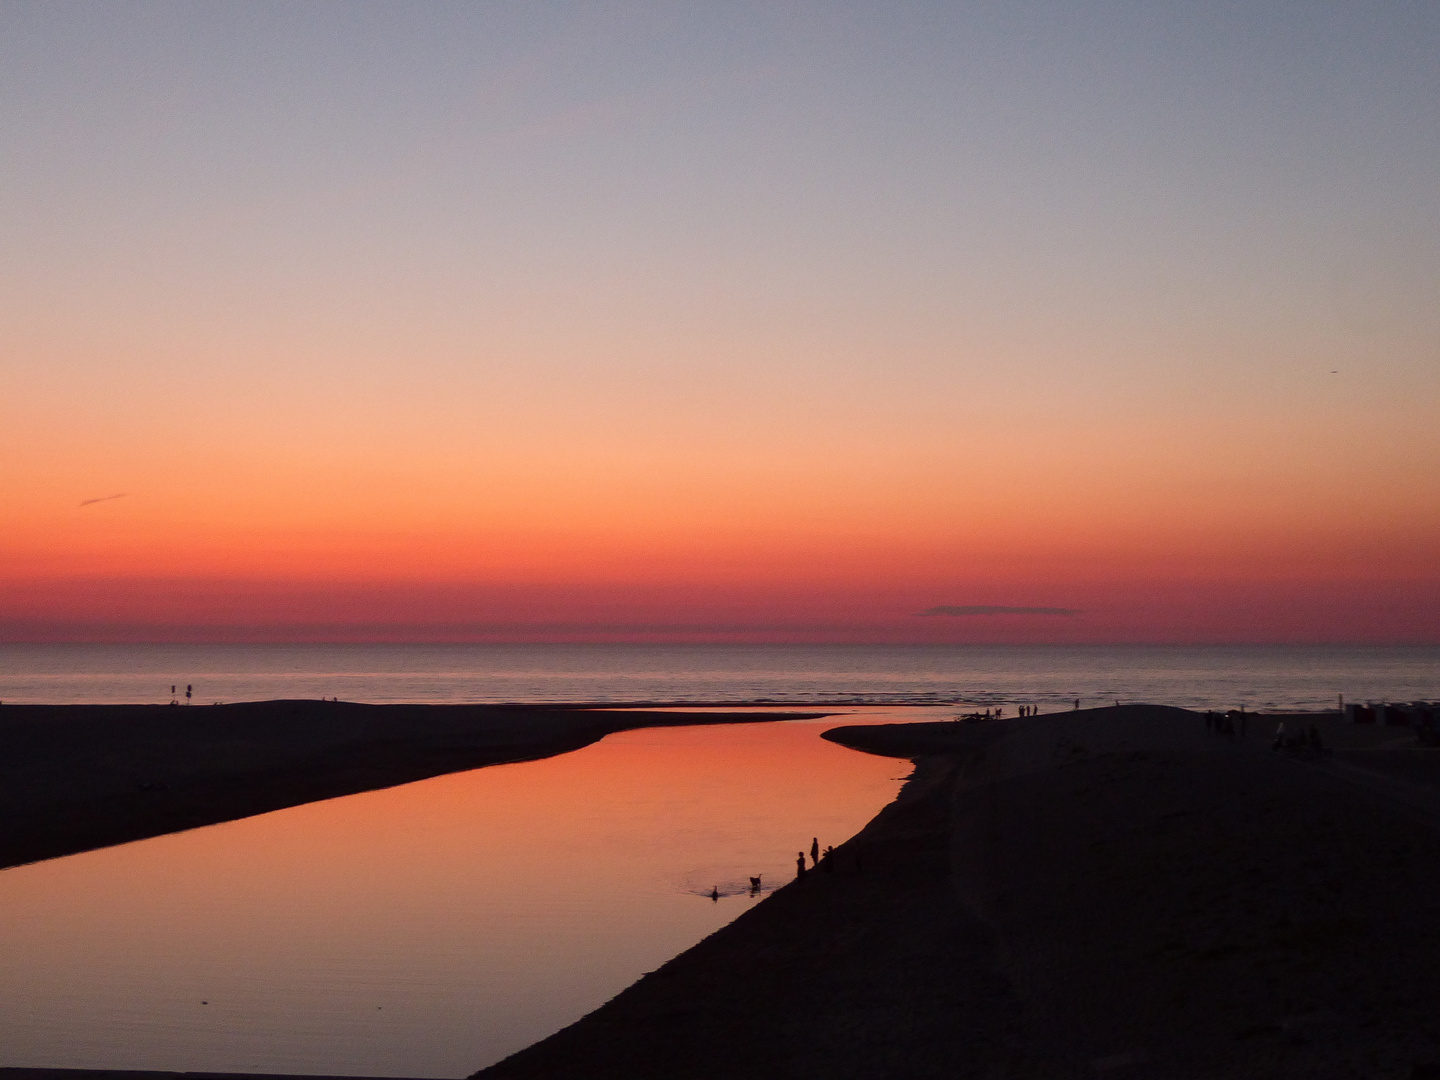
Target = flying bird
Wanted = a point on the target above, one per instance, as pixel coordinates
(103, 498)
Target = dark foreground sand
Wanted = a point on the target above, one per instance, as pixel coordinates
(1107, 893)
(76, 777)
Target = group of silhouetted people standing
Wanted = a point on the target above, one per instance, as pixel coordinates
(819, 860)
(995, 714)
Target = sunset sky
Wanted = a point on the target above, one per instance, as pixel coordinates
(783, 321)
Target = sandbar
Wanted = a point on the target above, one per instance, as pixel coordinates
(78, 777)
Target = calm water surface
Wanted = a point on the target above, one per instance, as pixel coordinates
(425, 930)
(1223, 676)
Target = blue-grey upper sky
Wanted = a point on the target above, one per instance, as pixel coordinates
(1177, 164)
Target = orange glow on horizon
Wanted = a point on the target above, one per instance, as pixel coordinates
(717, 322)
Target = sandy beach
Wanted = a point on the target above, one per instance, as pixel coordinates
(78, 777)
(1115, 892)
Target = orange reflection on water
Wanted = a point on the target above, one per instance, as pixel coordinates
(423, 930)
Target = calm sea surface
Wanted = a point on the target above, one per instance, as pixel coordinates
(1258, 677)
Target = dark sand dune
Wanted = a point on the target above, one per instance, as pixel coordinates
(1115, 892)
(76, 777)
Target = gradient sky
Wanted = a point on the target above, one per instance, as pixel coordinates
(712, 322)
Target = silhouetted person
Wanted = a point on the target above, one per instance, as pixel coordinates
(715, 894)
(1077, 704)
(815, 851)
(827, 862)
(188, 689)
(799, 864)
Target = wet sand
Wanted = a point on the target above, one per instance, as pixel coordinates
(77, 777)
(1114, 892)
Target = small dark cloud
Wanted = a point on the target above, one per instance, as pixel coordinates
(996, 609)
(103, 498)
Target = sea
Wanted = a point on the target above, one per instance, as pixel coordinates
(1274, 677)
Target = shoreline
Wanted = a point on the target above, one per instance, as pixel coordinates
(1117, 892)
(869, 970)
(1095, 893)
(75, 778)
